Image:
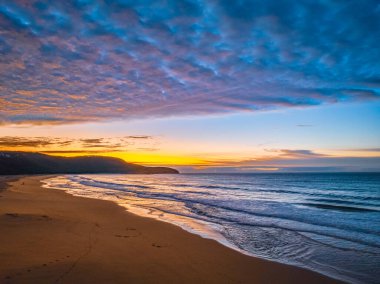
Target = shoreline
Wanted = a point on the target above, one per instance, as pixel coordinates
(55, 236)
(197, 227)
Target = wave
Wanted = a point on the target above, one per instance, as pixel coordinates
(113, 185)
(340, 201)
(339, 208)
(280, 211)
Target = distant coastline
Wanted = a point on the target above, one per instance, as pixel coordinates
(19, 163)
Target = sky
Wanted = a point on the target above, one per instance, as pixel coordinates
(202, 86)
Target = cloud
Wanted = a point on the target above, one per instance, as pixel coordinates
(79, 152)
(138, 137)
(15, 142)
(286, 160)
(77, 61)
(295, 164)
(78, 145)
(290, 154)
(362, 150)
(263, 169)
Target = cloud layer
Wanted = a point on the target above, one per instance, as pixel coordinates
(285, 160)
(83, 60)
(78, 145)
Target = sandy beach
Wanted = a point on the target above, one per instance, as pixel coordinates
(49, 236)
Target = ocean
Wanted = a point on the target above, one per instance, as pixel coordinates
(325, 222)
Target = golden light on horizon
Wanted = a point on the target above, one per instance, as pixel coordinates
(148, 159)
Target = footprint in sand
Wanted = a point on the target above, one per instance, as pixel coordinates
(12, 215)
(130, 229)
(122, 236)
(133, 233)
(29, 217)
(44, 218)
(160, 245)
(29, 270)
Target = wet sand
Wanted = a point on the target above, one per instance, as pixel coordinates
(49, 236)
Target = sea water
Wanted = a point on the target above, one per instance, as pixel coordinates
(326, 222)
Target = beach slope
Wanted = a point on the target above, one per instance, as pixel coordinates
(49, 236)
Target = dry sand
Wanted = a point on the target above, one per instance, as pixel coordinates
(49, 236)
